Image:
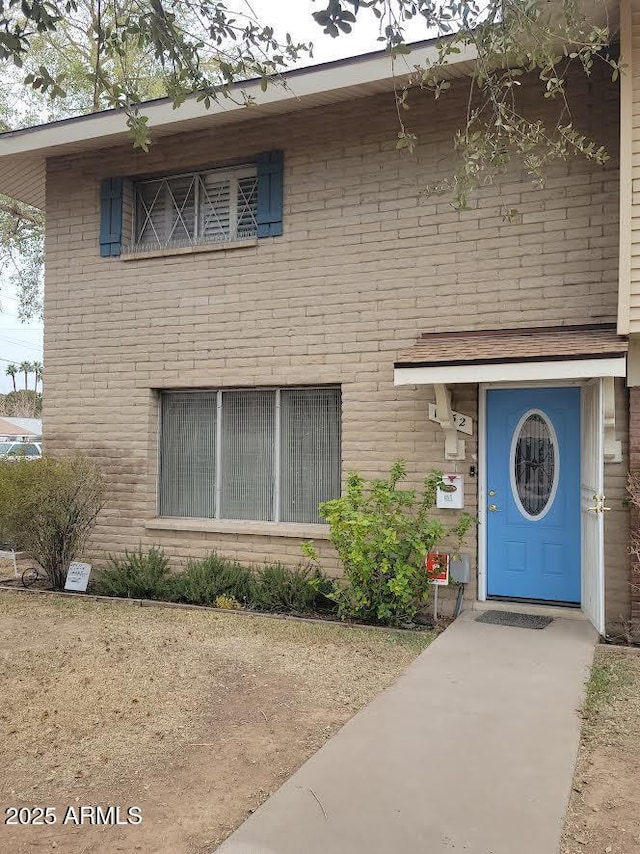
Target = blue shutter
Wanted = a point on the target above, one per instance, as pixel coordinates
(111, 217)
(270, 172)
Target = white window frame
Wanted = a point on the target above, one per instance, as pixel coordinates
(234, 174)
(217, 487)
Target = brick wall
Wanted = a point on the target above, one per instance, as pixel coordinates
(367, 262)
(616, 522)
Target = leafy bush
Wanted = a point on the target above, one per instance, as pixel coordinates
(382, 534)
(299, 591)
(48, 508)
(204, 580)
(216, 580)
(138, 575)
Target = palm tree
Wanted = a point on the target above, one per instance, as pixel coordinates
(37, 371)
(11, 371)
(26, 368)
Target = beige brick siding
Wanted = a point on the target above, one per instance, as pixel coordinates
(367, 262)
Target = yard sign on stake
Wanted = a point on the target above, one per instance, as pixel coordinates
(437, 566)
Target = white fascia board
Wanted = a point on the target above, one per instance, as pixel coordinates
(512, 372)
(292, 86)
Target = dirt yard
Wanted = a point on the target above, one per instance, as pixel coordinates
(193, 717)
(604, 812)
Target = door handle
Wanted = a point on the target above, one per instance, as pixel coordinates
(493, 508)
(599, 506)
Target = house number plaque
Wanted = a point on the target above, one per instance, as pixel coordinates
(464, 423)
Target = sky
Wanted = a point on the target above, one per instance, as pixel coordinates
(20, 342)
(295, 16)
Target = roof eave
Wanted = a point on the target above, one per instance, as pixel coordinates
(23, 152)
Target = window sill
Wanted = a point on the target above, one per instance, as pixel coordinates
(299, 530)
(188, 250)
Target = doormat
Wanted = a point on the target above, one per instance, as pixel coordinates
(510, 618)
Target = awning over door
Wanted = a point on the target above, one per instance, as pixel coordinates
(539, 354)
(513, 355)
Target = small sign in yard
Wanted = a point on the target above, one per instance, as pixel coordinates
(78, 576)
(437, 568)
(12, 558)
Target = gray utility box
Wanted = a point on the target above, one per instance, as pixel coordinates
(460, 568)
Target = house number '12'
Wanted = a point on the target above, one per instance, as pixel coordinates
(463, 422)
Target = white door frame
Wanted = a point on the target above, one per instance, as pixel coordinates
(482, 472)
(591, 486)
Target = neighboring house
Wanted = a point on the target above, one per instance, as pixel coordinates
(20, 429)
(269, 299)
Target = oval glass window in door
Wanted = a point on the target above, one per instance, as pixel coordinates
(534, 464)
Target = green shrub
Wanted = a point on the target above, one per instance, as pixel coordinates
(216, 580)
(48, 508)
(382, 534)
(138, 575)
(300, 591)
(204, 580)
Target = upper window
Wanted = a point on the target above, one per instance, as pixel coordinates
(197, 208)
(264, 454)
(206, 208)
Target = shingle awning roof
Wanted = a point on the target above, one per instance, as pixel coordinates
(514, 345)
(546, 352)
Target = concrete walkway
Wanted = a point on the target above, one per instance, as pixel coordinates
(472, 750)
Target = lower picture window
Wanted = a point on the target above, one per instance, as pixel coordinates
(263, 454)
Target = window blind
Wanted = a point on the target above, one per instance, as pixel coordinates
(278, 453)
(201, 207)
(309, 452)
(248, 429)
(188, 455)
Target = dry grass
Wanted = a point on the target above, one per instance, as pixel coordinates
(604, 812)
(105, 703)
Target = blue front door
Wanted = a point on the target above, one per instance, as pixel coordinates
(533, 493)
